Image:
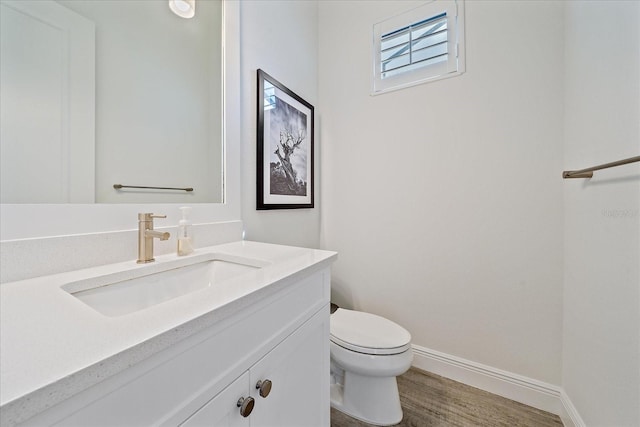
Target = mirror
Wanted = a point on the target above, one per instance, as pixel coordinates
(103, 92)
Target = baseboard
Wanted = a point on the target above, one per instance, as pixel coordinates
(570, 416)
(538, 394)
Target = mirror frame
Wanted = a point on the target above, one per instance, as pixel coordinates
(22, 221)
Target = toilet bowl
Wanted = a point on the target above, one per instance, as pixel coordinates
(368, 352)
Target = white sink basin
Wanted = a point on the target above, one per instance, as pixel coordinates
(119, 297)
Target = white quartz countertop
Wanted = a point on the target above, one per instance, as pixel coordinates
(53, 346)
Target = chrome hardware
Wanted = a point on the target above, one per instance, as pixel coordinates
(146, 234)
(264, 387)
(246, 405)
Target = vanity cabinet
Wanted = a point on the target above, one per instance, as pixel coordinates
(223, 409)
(297, 371)
(281, 336)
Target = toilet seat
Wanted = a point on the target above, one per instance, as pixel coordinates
(367, 333)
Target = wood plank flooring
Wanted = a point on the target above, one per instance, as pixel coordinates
(431, 400)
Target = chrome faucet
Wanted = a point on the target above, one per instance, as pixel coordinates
(146, 234)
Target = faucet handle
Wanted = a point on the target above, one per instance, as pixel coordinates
(149, 216)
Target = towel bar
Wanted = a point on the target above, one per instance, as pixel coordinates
(588, 172)
(119, 186)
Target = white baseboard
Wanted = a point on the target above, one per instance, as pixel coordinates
(538, 394)
(570, 416)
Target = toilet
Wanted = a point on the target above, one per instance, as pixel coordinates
(368, 352)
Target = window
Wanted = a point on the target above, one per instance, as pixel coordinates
(269, 96)
(423, 44)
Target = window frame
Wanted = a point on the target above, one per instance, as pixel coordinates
(454, 65)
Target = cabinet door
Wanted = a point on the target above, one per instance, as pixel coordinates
(222, 410)
(298, 369)
(47, 104)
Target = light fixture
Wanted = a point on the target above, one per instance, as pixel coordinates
(183, 8)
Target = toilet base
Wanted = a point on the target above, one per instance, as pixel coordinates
(374, 400)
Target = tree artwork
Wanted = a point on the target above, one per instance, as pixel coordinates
(284, 166)
(288, 172)
(284, 178)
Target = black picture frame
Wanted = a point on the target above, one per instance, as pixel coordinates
(285, 145)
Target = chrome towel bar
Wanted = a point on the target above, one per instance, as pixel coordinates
(120, 186)
(588, 172)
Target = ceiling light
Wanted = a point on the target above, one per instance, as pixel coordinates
(183, 8)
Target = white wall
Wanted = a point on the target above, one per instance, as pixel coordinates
(280, 37)
(601, 351)
(444, 200)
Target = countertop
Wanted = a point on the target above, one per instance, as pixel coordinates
(53, 346)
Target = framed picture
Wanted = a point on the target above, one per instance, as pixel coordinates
(285, 147)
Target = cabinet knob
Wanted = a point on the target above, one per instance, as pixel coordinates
(246, 405)
(264, 387)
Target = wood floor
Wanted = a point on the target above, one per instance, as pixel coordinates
(431, 400)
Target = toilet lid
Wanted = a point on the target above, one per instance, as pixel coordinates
(368, 333)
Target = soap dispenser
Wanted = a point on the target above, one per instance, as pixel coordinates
(185, 237)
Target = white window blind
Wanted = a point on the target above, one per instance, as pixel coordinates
(417, 46)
